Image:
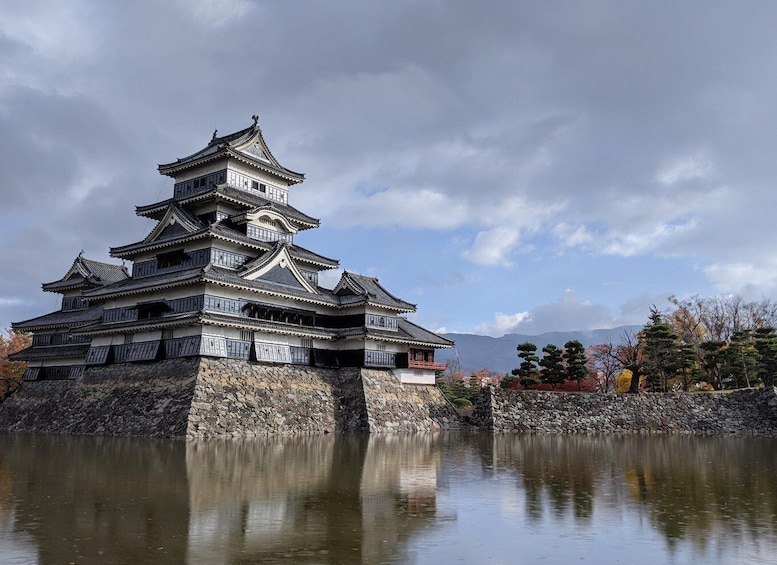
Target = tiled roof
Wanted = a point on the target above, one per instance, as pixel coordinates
(254, 200)
(239, 145)
(249, 200)
(87, 273)
(60, 319)
(142, 284)
(414, 332)
(230, 278)
(100, 328)
(354, 289)
(213, 274)
(268, 326)
(38, 353)
(224, 231)
(407, 332)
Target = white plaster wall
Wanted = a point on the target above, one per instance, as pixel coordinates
(414, 376)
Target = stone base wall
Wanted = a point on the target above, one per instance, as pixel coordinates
(147, 400)
(395, 407)
(206, 397)
(237, 398)
(740, 412)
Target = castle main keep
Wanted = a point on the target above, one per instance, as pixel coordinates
(221, 322)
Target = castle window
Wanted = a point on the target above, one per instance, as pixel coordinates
(172, 259)
(152, 310)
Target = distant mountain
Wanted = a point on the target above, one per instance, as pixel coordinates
(499, 354)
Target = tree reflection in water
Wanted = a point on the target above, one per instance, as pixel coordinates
(425, 498)
(709, 490)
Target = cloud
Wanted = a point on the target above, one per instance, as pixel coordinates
(217, 13)
(612, 135)
(502, 324)
(569, 313)
(493, 247)
(744, 277)
(694, 166)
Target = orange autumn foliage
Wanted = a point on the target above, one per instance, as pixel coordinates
(11, 371)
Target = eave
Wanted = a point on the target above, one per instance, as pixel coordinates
(101, 329)
(239, 322)
(172, 169)
(44, 352)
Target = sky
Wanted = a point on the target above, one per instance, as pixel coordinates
(508, 166)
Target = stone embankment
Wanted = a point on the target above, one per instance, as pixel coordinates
(205, 397)
(745, 412)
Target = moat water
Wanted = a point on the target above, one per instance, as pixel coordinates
(441, 498)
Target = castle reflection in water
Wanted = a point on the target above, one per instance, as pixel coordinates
(419, 498)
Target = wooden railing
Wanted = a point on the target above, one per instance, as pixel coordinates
(427, 365)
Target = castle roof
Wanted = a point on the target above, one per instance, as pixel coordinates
(247, 145)
(60, 319)
(227, 193)
(70, 351)
(357, 289)
(407, 332)
(220, 230)
(86, 273)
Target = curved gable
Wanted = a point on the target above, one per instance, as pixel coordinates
(278, 268)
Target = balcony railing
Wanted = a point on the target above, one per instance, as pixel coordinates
(427, 365)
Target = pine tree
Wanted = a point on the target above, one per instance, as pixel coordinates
(661, 348)
(576, 364)
(527, 371)
(552, 366)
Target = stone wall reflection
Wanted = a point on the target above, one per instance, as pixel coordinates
(97, 500)
(310, 499)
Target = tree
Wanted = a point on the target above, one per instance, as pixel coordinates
(527, 372)
(604, 363)
(661, 347)
(11, 371)
(740, 360)
(575, 361)
(766, 345)
(687, 369)
(714, 361)
(629, 355)
(552, 366)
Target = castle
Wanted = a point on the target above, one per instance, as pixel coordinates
(219, 276)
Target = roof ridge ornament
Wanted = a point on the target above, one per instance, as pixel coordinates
(255, 118)
(215, 134)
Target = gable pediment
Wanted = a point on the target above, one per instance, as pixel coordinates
(278, 268)
(175, 223)
(266, 215)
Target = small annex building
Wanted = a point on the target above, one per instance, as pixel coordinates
(219, 275)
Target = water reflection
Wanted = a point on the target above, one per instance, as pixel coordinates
(427, 498)
(712, 492)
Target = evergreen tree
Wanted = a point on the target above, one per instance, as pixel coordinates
(576, 364)
(552, 366)
(687, 369)
(661, 348)
(714, 361)
(766, 345)
(527, 371)
(740, 361)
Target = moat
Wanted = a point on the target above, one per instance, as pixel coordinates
(445, 497)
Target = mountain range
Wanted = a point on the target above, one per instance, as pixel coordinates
(499, 355)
